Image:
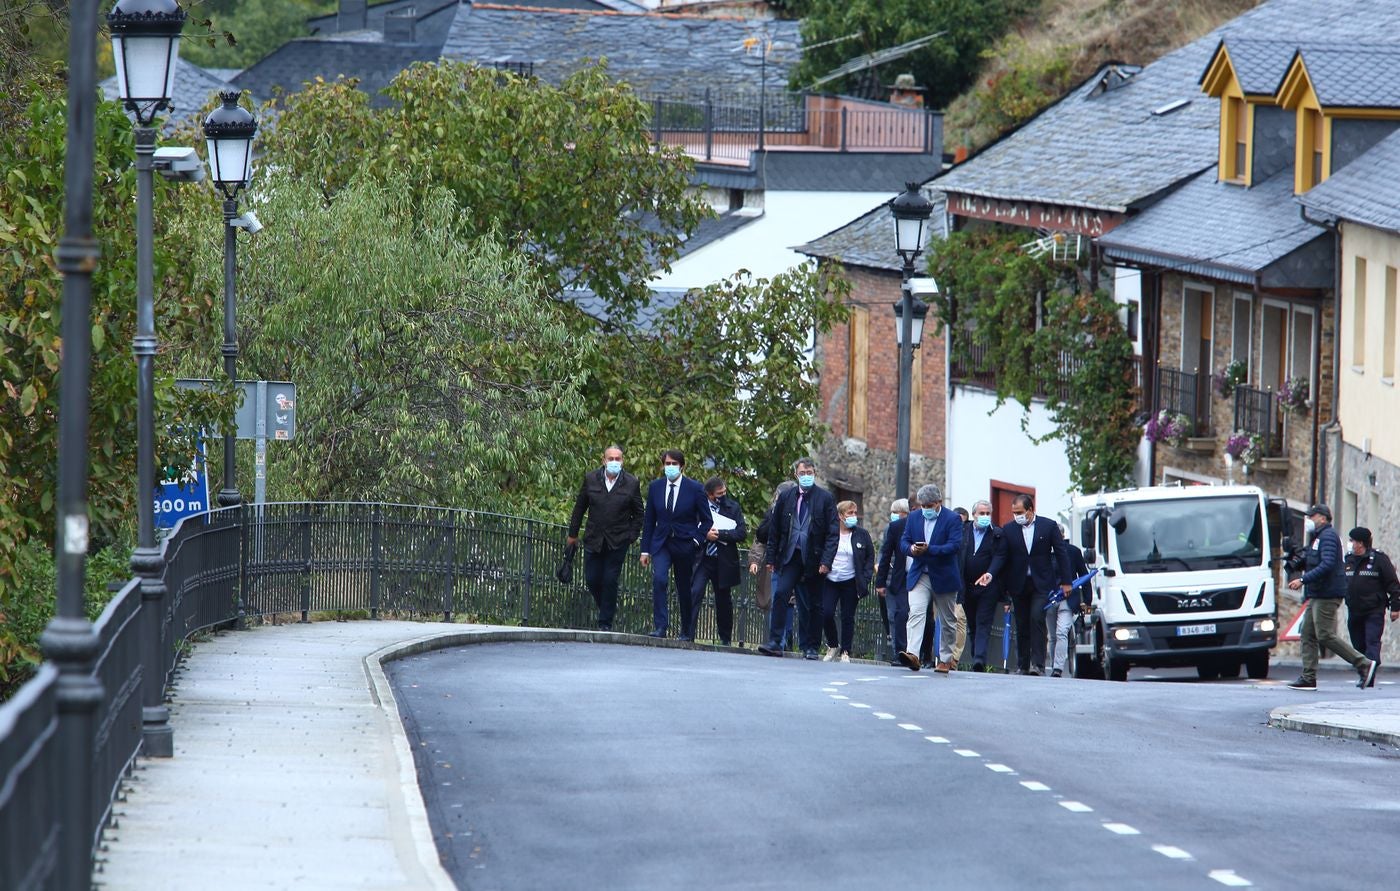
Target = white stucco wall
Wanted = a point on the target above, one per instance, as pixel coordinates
(983, 447)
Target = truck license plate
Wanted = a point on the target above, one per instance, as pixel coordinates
(1188, 630)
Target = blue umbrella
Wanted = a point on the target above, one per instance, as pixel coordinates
(1056, 594)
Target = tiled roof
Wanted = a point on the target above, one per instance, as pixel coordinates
(431, 20)
(1225, 231)
(1365, 191)
(647, 318)
(868, 240)
(299, 61)
(1354, 75)
(784, 171)
(1110, 152)
(194, 87)
(1259, 65)
(654, 53)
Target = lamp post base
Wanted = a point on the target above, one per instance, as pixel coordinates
(229, 498)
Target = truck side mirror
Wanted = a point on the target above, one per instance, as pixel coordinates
(1087, 529)
(1118, 520)
(1090, 556)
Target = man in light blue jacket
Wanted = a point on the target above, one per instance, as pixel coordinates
(932, 541)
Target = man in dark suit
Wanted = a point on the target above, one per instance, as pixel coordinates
(983, 562)
(612, 498)
(933, 541)
(890, 582)
(1036, 562)
(719, 560)
(676, 520)
(802, 539)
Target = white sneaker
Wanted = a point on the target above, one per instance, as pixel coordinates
(846, 657)
(830, 655)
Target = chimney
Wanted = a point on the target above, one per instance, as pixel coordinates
(400, 25)
(351, 15)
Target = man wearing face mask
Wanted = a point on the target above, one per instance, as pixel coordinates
(1036, 561)
(1326, 581)
(612, 498)
(889, 584)
(984, 558)
(933, 541)
(676, 520)
(1371, 581)
(719, 560)
(802, 539)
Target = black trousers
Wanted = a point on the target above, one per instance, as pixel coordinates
(707, 572)
(1029, 605)
(980, 605)
(601, 572)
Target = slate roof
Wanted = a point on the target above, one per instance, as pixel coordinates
(1354, 75)
(298, 61)
(647, 318)
(788, 171)
(1365, 191)
(1227, 232)
(1110, 152)
(433, 18)
(194, 86)
(1259, 65)
(868, 240)
(655, 53)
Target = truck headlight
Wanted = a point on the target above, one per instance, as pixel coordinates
(1125, 634)
(1263, 626)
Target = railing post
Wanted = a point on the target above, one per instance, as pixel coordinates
(375, 542)
(843, 127)
(528, 570)
(306, 566)
(709, 125)
(451, 567)
(240, 618)
(656, 120)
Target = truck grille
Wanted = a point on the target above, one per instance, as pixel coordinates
(1208, 601)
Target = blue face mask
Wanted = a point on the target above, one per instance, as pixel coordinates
(983, 521)
(672, 471)
(806, 480)
(851, 522)
(930, 513)
(894, 517)
(614, 467)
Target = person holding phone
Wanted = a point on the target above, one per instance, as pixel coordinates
(932, 540)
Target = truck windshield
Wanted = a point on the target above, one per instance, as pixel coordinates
(1189, 534)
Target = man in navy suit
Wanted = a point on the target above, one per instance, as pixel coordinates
(889, 582)
(984, 559)
(719, 562)
(676, 520)
(933, 541)
(802, 540)
(1036, 561)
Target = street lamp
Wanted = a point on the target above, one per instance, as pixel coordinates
(911, 211)
(229, 131)
(145, 45)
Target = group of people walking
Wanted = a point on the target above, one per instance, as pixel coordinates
(815, 561)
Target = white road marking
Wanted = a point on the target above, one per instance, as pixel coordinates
(1228, 877)
(910, 727)
(1121, 829)
(869, 679)
(1000, 768)
(828, 689)
(1172, 852)
(1035, 786)
(967, 753)
(883, 716)
(857, 705)
(837, 683)
(936, 739)
(1078, 807)
(839, 696)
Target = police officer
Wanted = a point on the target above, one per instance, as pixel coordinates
(1371, 582)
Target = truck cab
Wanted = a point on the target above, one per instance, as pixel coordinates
(1185, 578)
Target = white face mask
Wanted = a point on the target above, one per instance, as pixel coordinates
(1022, 520)
(1309, 527)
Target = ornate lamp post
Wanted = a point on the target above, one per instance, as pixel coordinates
(145, 44)
(911, 211)
(229, 131)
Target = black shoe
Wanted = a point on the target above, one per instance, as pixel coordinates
(1034, 672)
(809, 654)
(1304, 684)
(656, 634)
(978, 666)
(770, 649)
(1057, 673)
(723, 642)
(1368, 674)
(604, 626)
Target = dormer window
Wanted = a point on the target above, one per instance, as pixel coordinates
(1314, 131)
(1235, 139)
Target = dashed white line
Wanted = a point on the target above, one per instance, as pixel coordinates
(883, 716)
(857, 705)
(1121, 829)
(838, 696)
(1035, 786)
(869, 679)
(936, 739)
(967, 753)
(1228, 877)
(837, 683)
(828, 689)
(910, 727)
(1000, 768)
(1171, 851)
(1077, 807)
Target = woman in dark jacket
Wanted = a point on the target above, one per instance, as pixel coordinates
(848, 580)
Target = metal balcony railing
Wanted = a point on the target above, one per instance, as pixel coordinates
(1182, 392)
(1256, 411)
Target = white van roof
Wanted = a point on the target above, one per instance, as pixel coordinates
(1082, 503)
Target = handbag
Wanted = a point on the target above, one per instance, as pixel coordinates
(565, 572)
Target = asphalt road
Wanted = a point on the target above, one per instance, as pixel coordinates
(595, 766)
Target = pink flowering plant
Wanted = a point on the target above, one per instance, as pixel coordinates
(1293, 395)
(1167, 426)
(1246, 448)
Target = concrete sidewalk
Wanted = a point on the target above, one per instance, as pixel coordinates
(292, 770)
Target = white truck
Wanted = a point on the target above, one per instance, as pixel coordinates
(1185, 578)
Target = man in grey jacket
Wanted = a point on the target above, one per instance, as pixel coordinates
(1326, 581)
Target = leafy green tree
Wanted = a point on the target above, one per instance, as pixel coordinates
(237, 33)
(945, 67)
(566, 173)
(1078, 359)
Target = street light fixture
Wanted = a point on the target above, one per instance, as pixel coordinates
(229, 131)
(911, 211)
(145, 45)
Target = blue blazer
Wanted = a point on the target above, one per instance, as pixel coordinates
(940, 561)
(688, 522)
